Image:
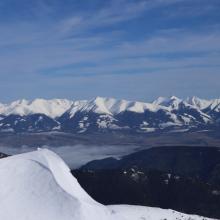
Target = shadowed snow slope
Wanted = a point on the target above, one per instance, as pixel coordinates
(39, 185)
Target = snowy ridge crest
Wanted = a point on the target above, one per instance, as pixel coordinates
(100, 113)
(56, 107)
(39, 185)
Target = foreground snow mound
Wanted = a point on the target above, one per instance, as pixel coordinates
(39, 186)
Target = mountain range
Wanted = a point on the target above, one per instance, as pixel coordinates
(110, 115)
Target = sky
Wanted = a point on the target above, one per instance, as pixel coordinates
(131, 49)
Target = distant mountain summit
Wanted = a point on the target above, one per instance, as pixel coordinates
(100, 114)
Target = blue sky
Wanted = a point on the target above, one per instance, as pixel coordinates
(132, 49)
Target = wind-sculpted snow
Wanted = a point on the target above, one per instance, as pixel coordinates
(39, 185)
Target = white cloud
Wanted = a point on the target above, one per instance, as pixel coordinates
(76, 44)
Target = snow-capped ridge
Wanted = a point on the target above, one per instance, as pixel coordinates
(197, 102)
(171, 102)
(52, 108)
(160, 100)
(102, 105)
(214, 105)
(103, 113)
(111, 106)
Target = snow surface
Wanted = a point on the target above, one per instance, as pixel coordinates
(200, 103)
(107, 109)
(129, 212)
(56, 107)
(39, 186)
(52, 108)
(212, 104)
(172, 102)
(110, 106)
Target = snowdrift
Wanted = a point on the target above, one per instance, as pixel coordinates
(39, 186)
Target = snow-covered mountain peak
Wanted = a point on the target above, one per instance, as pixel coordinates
(173, 97)
(109, 113)
(52, 108)
(197, 102)
(114, 106)
(214, 105)
(203, 104)
(101, 105)
(160, 100)
(174, 101)
(171, 102)
(111, 106)
(140, 107)
(20, 102)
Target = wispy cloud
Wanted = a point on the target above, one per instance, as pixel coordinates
(114, 12)
(125, 37)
